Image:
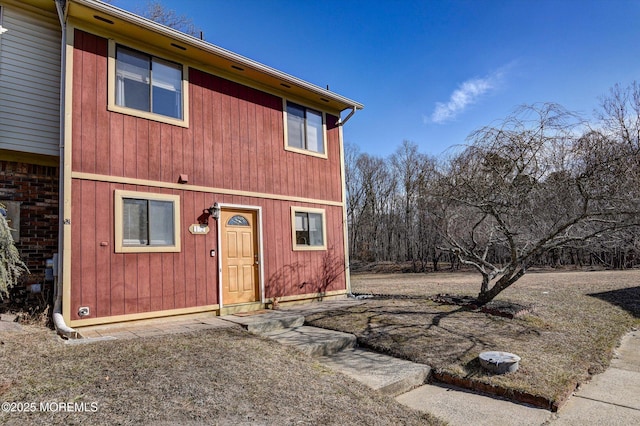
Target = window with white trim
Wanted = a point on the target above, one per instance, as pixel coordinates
(146, 222)
(309, 229)
(305, 129)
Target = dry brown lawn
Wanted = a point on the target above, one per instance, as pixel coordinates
(575, 322)
(220, 376)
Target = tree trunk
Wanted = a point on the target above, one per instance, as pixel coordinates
(485, 284)
(502, 284)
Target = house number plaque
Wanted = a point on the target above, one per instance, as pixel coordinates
(197, 229)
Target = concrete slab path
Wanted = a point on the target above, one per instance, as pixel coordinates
(388, 375)
(148, 328)
(334, 349)
(313, 341)
(8, 323)
(610, 398)
(461, 407)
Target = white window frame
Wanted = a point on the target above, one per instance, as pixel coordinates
(112, 87)
(306, 247)
(120, 247)
(286, 130)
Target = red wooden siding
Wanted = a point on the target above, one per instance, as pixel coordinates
(112, 283)
(234, 141)
(288, 272)
(235, 137)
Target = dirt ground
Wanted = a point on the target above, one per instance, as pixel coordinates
(217, 377)
(231, 377)
(573, 324)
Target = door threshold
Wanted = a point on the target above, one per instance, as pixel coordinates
(241, 307)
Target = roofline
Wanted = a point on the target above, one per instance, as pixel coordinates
(215, 50)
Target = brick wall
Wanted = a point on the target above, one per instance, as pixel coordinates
(36, 188)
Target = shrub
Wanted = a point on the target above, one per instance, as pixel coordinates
(11, 266)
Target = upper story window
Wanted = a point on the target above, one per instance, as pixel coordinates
(147, 86)
(305, 129)
(147, 83)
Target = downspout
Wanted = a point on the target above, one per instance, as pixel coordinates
(345, 230)
(58, 320)
(342, 122)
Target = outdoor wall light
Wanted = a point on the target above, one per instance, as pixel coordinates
(214, 211)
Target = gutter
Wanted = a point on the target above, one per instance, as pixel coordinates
(58, 320)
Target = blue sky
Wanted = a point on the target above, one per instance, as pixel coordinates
(432, 71)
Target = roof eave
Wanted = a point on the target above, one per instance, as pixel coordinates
(341, 102)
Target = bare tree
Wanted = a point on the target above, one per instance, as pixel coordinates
(354, 191)
(539, 181)
(620, 116)
(158, 12)
(427, 235)
(406, 165)
(375, 220)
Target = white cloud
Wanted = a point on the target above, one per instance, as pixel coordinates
(466, 94)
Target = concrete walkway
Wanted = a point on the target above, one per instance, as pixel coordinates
(610, 398)
(150, 327)
(8, 323)
(334, 349)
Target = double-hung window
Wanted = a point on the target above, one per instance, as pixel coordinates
(305, 129)
(309, 229)
(147, 86)
(147, 222)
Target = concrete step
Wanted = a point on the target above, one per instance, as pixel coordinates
(391, 376)
(334, 349)
(461, 407)
(265, 322)
(312, 340)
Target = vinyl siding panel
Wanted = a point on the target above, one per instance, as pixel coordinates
(29, 82)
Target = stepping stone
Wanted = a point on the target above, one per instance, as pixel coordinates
(313, 341)
(391, 376)
(267, 322)
(8, 323)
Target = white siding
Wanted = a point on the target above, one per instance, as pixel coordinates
(29, 82)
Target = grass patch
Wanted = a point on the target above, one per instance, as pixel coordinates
(220, 376)
(574, 324)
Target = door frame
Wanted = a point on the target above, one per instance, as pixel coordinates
(258, 226)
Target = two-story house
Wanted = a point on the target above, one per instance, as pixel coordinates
(192, 179)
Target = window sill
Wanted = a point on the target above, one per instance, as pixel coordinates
(306, 152)
(309, 248)
(149, 116)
